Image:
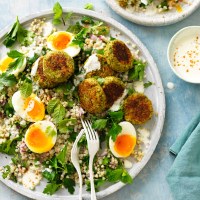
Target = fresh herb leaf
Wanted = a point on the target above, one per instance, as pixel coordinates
(149, 83)
(69, 184)
(137, 72)
(58, 113)
(15, 54)
(87, 20)
(100, 51)
(8, 80)
(30, 61)
(68, 15)
(6, 171)
(62, 156)
(26, 89)
(51, 188)
(50, 131)
(18, 33)
(8, 147)
(50, 176)
(76, 28)
(9, 110)
(99, 124)
(52, 105)
(114, 131)
(116, 116)
(17, 64)
(89, 6)
(119, 174)
(102, 30)
(63, 126)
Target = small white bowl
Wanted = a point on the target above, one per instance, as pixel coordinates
(188, 67)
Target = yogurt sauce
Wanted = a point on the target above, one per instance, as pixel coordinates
(186, 58)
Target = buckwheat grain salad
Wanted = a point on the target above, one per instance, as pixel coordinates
(159, 5)
(56, 72)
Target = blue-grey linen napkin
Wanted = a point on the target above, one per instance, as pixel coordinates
(184, 175)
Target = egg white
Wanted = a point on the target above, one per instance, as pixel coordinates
(42, 125)
(127, 128)
(71, 50)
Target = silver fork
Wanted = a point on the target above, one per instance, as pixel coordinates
(75, 161)
(93, 146)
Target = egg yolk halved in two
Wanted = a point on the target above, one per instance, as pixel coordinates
(125, 144)
(35, 109)
(41, 136)
(60, 40)
(4, 63)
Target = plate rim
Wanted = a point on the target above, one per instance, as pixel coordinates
(161, 95)
(148, 21)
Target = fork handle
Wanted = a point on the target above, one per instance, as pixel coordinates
(93, 194)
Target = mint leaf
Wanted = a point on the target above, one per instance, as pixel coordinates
(137, 72)
(26, 89)
(69, 184)
(99, 124)
(114, 131)
(51, 105)
(116, 116)
(57, 10)
(15, 54)
(50, 131)
(58, 113)
(89, 6)
(8, 80)
(51, 188)
(148, 84)
(62, 156)
(17, 33)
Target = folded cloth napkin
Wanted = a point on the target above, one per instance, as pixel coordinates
(184, 175)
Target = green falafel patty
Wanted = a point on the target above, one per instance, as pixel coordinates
(113, 88)
(91, 95)
(58, 66)
(138, 108)
(104, 71)
(40, 77)
(118, 56)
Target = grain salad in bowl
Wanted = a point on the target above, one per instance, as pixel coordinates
(55, 72)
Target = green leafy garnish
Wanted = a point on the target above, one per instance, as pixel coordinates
(15, 54)
(149, 83)
(51, 188)
(18, 33)
(8, 147)
(119, 174)
(59, 113)
(76, 28)
(7, 80)
(63, 127)
(26, 88)
(89, 6)
(99, 124)
(137, 72)
(61, 157)
(116, 116)
(87, 20)
(51, 105)
(69, 184)
(50, 131)
(114, 131)
(59, 17)
(6, 171)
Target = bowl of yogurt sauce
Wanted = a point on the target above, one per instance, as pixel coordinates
(184, 54)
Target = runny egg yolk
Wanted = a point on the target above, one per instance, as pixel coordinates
(35, 109)
(60, 41)
(125, 144)
(4, 64)
(38, 141)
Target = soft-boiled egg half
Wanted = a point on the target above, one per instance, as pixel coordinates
(6, 61)
(30, 108)
(125, 142)
(4, 64)
(61, 40)
(41, 136)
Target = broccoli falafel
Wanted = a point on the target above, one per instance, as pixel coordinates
(138, 108)
(118, 56)
(91, 95)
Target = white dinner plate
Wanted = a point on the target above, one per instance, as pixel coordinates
(152, 18)
(155, 93)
